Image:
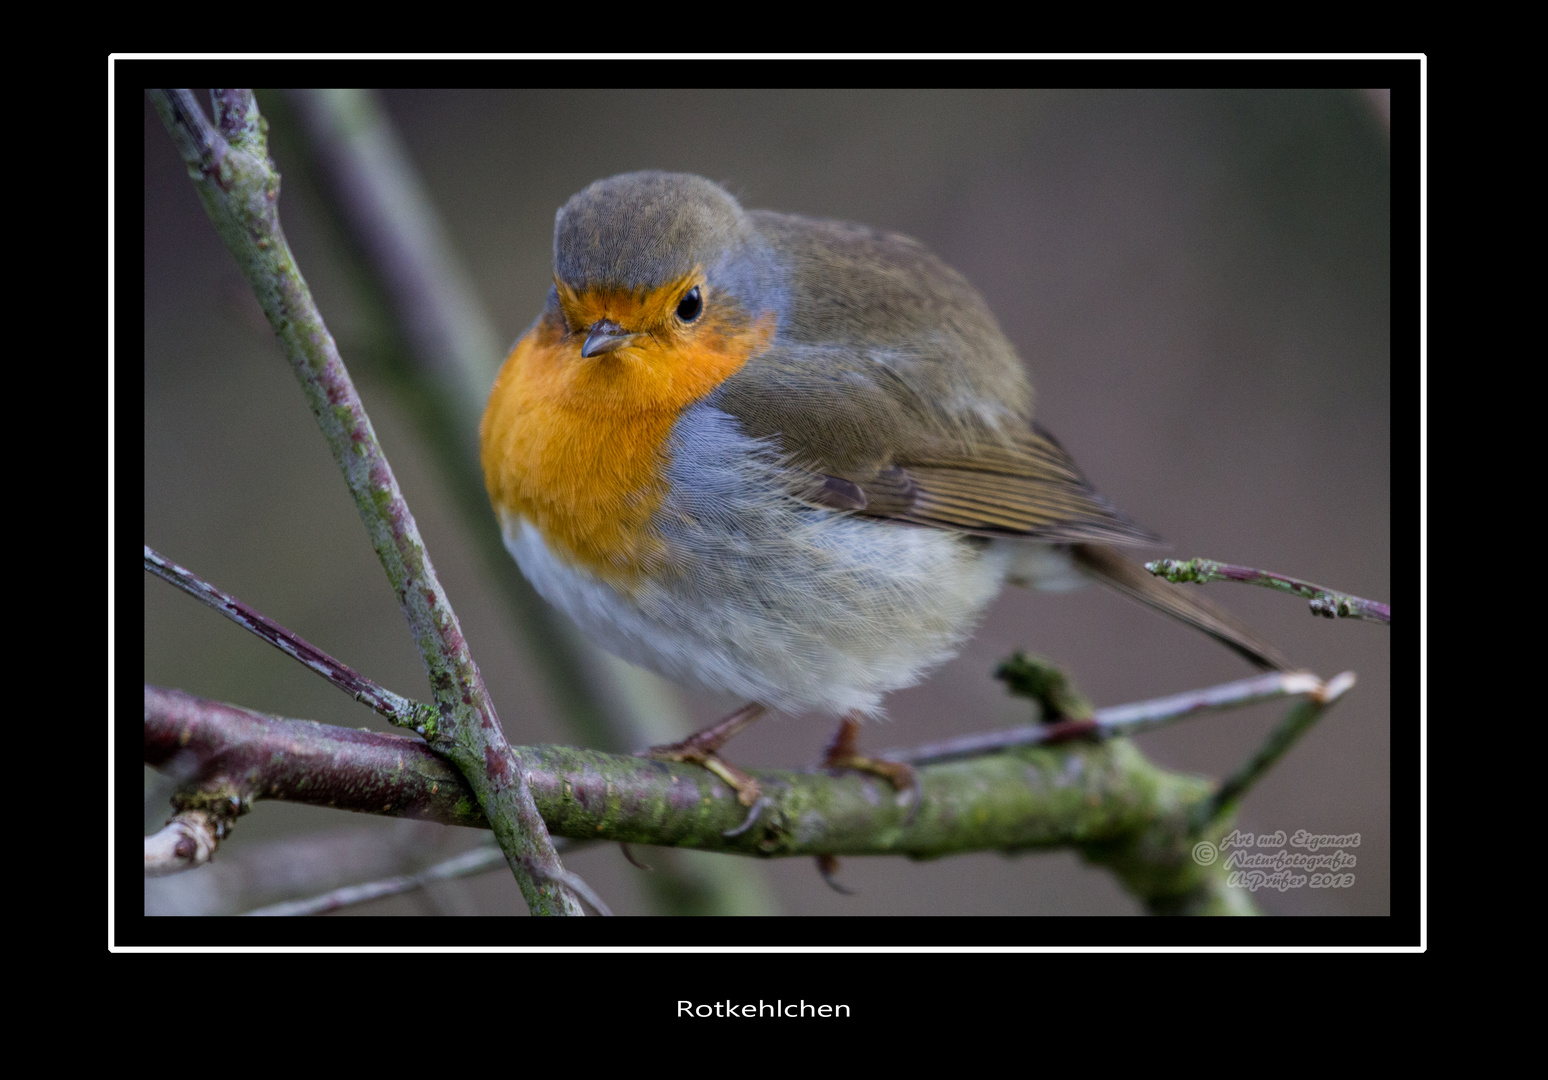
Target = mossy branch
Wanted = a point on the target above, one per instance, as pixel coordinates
(1102, 797)
(1323, 601)
(239, 186)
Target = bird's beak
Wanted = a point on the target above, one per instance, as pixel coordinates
(605, 336)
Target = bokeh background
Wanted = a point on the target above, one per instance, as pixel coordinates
(1199, 283)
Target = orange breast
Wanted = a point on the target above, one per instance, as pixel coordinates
(578, 446)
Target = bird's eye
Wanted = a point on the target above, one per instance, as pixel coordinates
(689, 307)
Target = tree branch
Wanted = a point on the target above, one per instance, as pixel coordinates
(1115, 720)
(478, 861)
(240, 190)
(402, 711)
(453, 349)
(187, 841)
(1323, 601)
(1296, 723)
(1104, 798)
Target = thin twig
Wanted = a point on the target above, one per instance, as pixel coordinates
(477, 861)
(1296, 722)
(402, 711)
(1323, 601)
(1117, 719)
(240, 190)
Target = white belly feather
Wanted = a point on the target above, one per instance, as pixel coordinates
(795, 607)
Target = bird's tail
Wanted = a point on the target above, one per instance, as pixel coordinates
(1178, 601)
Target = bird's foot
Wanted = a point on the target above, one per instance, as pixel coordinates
(843, 753)
(701, 748)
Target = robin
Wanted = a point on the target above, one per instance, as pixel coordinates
(787, 458)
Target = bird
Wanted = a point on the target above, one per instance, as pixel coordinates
(787, 458)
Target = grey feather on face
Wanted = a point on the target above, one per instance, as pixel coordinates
(645, 229)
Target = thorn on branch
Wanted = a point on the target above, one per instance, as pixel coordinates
(628, 854)
(827, 868)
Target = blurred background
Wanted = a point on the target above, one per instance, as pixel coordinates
(1199, 284)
